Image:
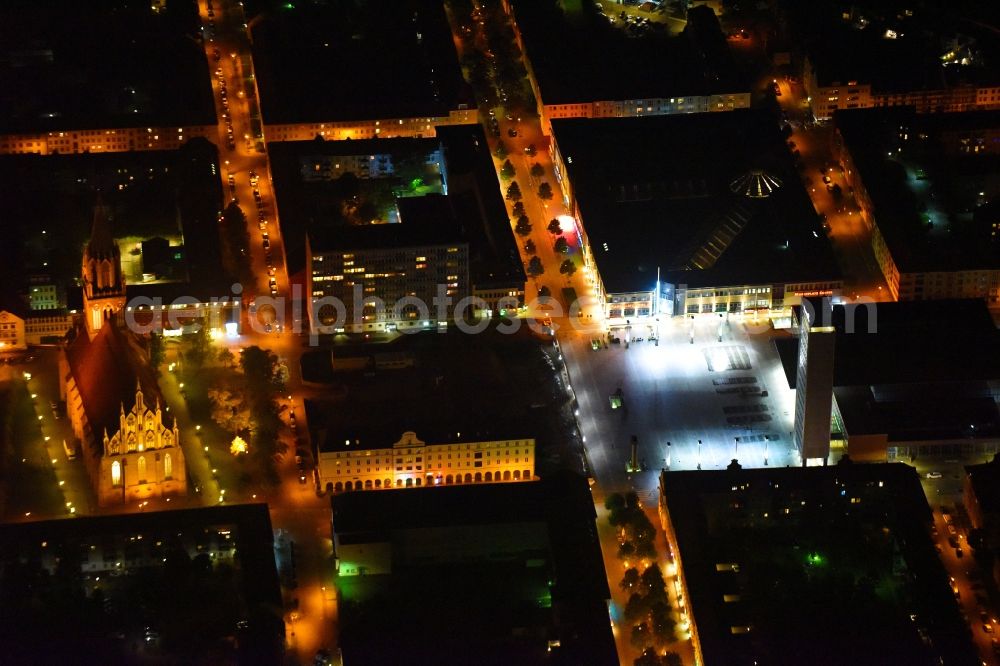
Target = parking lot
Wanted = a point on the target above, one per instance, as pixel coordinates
(691, 400)
(638, 18)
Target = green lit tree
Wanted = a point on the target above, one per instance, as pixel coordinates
(501, 150)
(507, 170)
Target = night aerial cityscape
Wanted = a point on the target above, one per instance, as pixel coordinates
(500, 332)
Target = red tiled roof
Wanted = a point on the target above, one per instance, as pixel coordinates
(105, 370)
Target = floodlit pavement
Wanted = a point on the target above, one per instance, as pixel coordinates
(672, 400)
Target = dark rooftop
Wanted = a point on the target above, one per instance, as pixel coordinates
(578, 65)
(475, 197)
(654, 191)
(925, 196)
(563, 503)
(311, 202)
(42, 625)
(391, 146)
(927, 413)
(422, 508)
(852, 44)
(148, 194)
(985, 480)
(101, 64)
(820, 548)
(424, 221)
(383, 59)
(887, 381)
(909, 342)
(439, 397)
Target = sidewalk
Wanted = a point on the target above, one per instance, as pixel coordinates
(615, 569)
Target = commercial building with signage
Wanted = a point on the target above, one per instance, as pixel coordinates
(684, 215)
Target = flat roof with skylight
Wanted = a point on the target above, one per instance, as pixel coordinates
(705, 199)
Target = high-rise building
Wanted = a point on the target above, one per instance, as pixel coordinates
(814, 379)
(389, 276)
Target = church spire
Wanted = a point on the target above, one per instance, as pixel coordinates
(102, 242)
(103, 280)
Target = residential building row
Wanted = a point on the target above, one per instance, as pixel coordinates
(115, 140)
(828, 97)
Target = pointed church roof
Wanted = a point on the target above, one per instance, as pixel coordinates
(107, 371)
(102, 243)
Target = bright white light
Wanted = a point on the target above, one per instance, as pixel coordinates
(566, 223)
(232, 329)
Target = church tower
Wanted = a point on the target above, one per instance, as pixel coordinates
(103, 281)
